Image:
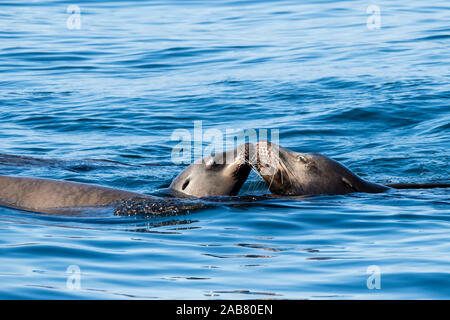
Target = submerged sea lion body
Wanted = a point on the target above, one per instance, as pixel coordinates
(53, 196)
(205, 178)
(291, 173)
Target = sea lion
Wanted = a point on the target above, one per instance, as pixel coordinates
(207, 177)
(290, 173)
(215, 175)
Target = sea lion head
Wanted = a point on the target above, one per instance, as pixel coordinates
(215, 175)
(291, 173)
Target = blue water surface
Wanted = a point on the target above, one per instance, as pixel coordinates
(99, 104)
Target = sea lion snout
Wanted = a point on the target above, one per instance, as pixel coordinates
(267, 158)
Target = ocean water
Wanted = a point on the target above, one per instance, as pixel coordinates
(97, 102)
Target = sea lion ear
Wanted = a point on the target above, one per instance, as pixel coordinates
(348, 183)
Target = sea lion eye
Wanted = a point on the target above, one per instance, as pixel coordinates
(185, 184)
(301, 159)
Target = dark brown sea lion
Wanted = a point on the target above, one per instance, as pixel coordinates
(291, 173)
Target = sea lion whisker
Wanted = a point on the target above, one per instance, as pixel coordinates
(289, 173)
(271, 181)
(252, 167)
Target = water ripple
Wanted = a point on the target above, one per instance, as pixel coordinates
(99, 105)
